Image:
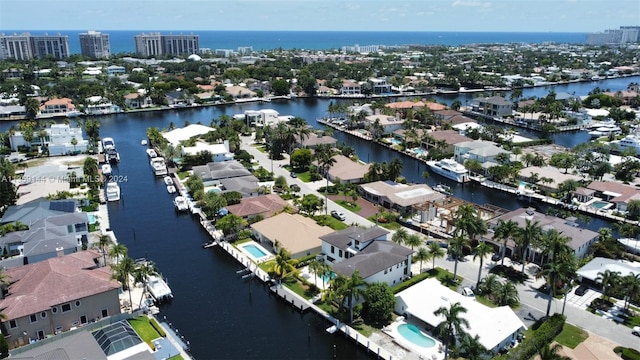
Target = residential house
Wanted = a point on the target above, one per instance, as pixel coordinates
(325, 91)
(58, 140)
(227, 176)
(389, 123)
(301, 238)
(219, 152)
(481, 150)
(591, 271)
(41, 181)
(13, 112)
(38, 209)
(138, 100)
(264, 206)
(617, 193)
(315, 139)
(446, 114)
(533, 174)
(178, 98)
(350, 87)
(495, 327)
(447, 137)
(262, 117)
(580, 239)
(379, 86)
(343, 244)
(401, 197)
(347, 170)
(177, 136)
(495, 106)
(114, 70)
(627, 97)
(55, 295)
(55, 107)
(240, 92)
(46, 238)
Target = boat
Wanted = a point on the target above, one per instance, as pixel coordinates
(112, 156)
(181, 204)
(450, 169)
(171, 189)
(605, 131)
(631, 141)
(632, 245)
(168, 180)
(445, 189)
(151, 153)
(112, 191)
(158, 166)
(108, 143)
(106, 169)
(159, 289)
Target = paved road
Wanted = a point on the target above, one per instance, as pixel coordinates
(533, 303)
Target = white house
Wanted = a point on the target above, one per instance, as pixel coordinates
(481, 150)
(389, 123)
(176, 136)
(262, 117)
(496, 327)
(219, 152)
(59, 139)
(495, 106)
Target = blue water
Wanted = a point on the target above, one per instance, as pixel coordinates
(92, 218)
(599, 204)
(122, 41)
(255, 251)
(327, 278)
(413, 334)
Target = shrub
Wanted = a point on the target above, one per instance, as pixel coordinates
(157, 327)
(544, 334)
(406, 284)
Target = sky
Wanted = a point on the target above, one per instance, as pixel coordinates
(312, 15)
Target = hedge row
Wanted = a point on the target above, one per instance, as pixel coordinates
(157, 326)
(531, 345)
(396, 289)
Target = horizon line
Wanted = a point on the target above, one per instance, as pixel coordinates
(327, 31)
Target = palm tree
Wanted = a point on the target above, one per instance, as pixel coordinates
(104, 241)
(609, 280)
(435, 252)
(456, 249)
(117, 251)
(489, 285)
(631, 284)
(504, 231)
(351, 290)
(141, 275)
(481, 251)
(315, 267)
(552, 245)
(526, 236)
(122, 272)
(421, 255)
(549, 352)
(471, 347)
(324, 156)
(468, 222)
(283, 266)
(394, 169)
(507, 294)
(400, 236)
(413, 240)
(560, 270)
(452, 325)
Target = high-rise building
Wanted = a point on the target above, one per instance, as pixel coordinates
(154, 44)
(95, 44)
(16, 46)
(624, 35)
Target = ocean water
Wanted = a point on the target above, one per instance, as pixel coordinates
(122, 41)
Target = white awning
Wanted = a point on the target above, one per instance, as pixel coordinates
(611, 193)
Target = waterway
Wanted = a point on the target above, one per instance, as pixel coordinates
(220, 314)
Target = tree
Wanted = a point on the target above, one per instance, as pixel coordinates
(631, 286)
(378, 306)
(481, 251)
(211, 203)
(4, 347)
(555, 272)
(435, 252)
(400, 236)
(526, 236)
(324, 156)
(609, 280)
(549, 352)
(633, 210)
(310, 204)
(141, 274)
(456, 250)
(507, 294)
(74, 142)
(122, 272)
(104, 241)
(117, 252)
(563, 160)
(8, 193)
(504, 231)
(231, 224)
(414, 240)
(283, 265)
(317, 268)
(468, 222)
(352, 290)
(90, 172)
(421, 255)
(394, 169)
(489, 285)
(471, 348)
(451, 326)
(301, 159)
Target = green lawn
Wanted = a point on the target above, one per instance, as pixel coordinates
(571, 336)
(330, 221)
(301, 289)
(182, 175)
(484, 301)
(446, 278)
(144, 329)
(349, 205)
(260, 147)
(176, 357)
(304, 176)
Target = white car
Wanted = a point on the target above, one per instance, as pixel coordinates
(636, 330)
(468, 292)
(338, 215)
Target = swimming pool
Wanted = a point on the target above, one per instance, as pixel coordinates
(255, 251)
(395, 141)
(600, 204)
(419, 151)
(415, 336)
(327, 278)
(92, 219)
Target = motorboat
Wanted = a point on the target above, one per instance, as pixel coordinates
(158, 289)
(168, 180)
(106, 169)
(605, 131)
(445, 189)
(450, 169)
(112, 156)
(632, 245)
(108, 143)
(171, 189)
(181, 203)
(158, 166)
(151, 153)
(631, 141)
(143, 142)
(112, 191)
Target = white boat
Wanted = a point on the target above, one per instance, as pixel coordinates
(171, 189)
(158, 166)
(631, 245)
(450, 169)
(168, 180)
(108, 143)
(443, 189)
(143, 142)
(158, 289)
(631, 141)
(112, 191)
(112, 156)
(181, 203)
(106, 169)
(605, 131)
(151, 153)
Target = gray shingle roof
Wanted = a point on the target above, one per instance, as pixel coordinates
(341, 239)
(378, 256)
(38, 209)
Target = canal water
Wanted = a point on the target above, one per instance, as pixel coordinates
(220, 314)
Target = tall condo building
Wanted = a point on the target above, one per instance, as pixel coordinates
(95, 44)
(154, 44)
(624, 35)
(25, 46)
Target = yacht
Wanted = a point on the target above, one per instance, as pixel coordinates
(168, 180)
(151, 153)
(450, 169)
(181, 203)
(158, 166)
(108, 143)
(111, 156)
(630, 141)
(158, 288)
(171, 189)
(632, 245)
(112, 191)
(605, 131)
(106, 170)
(143, 142)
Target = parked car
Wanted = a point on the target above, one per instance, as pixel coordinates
(467, 292)
(294, 187)
(293, 175)
(581, 290)
(496, 257)
(338, 215)
(636, 330)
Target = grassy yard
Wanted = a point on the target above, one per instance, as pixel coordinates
(349, 205)
(182, 175)
(260, 147)
(176, 357)
(446, 278)
(484, 301)
(571, 336)
(144, 329)
(330, 221)
(301, 289)
(388, 225)
(304, 176)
